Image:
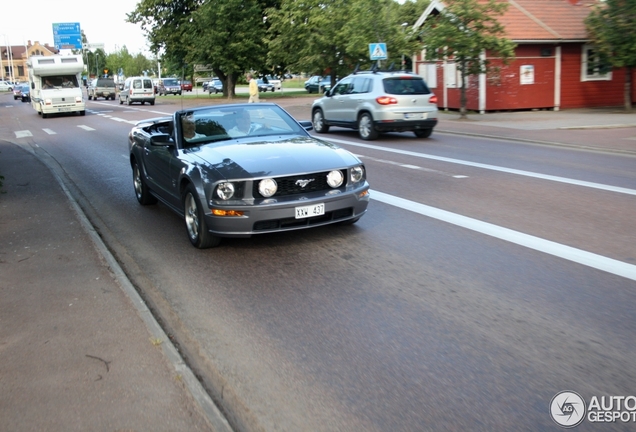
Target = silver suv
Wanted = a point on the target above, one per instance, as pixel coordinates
(102, 87)
(374, 101)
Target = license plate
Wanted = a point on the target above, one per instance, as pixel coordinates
(309, 211)
(414, 116)
(63, 109)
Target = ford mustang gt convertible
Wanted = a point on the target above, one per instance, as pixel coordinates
(237, 170)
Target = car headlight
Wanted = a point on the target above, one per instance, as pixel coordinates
(335, 178)
(225, 191)
(267, 187)
(357, 173)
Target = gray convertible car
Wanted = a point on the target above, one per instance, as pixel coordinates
(243, 169)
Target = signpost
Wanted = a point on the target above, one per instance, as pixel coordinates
(67, 36)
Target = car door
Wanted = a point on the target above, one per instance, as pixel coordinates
(157, 159)
(335, 105)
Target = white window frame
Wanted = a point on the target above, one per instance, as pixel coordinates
(584, 62)
(428, 71)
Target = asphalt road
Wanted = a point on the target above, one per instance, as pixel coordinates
(465, 299)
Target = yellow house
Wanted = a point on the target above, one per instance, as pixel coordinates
(13, 59)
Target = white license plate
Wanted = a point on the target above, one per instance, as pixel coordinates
(310, 211)
(63, 109)
(414, 116)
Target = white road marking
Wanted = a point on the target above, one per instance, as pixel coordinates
(88, 128)
(23, 134)
(592, 185)
(415, 167)
(50, 132)
(579, 256)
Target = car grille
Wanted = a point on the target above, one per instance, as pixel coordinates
(291, 223)
(291, 185)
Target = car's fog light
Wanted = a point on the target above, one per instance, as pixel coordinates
(225, 191)
(335, 178)
(357, 173)
(267, 187)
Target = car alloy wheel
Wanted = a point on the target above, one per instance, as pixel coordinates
(365, 127)
(196, 227)
(319, 122)
(141, 190)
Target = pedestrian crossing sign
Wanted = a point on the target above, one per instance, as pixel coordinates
(377, 51)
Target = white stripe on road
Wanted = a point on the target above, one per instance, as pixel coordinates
(88, 128)
(23, 134)
(493, 168)
(50, 132)
(579, 256)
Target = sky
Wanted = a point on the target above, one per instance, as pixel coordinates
(102, 22)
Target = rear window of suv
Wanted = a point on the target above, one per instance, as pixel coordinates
(105, 83)
(170, 82)
(409, 86)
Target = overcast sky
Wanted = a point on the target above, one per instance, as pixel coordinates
(102, 22)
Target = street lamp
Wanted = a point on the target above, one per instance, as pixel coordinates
(96, 66)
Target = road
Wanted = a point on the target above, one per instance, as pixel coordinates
(486, 277)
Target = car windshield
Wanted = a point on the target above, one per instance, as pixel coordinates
(213, 124)
(170, 82)
(403, 85)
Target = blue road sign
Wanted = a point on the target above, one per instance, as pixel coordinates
(377, 51)
(67, 36)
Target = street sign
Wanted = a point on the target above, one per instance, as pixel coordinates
(377, 51)
(93, 46)
(67, 36)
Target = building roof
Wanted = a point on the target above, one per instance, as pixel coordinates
(538, 20)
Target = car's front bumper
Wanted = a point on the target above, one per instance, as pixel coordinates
(276, 216)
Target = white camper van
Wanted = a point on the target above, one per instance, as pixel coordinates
(55, 84)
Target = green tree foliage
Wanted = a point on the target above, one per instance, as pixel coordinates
(333, 36)
(462, 31)
(612, 28)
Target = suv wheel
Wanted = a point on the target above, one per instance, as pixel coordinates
(423, 133)
(365, 127)
(319, 122)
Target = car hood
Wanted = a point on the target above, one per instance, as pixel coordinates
(274, 158)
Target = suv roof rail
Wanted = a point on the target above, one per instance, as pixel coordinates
(375, 69)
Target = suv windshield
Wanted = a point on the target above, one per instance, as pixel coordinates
(170, 82)
(400, 85)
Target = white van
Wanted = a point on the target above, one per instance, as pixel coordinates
(137, 89)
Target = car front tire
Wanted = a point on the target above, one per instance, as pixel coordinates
(141, 189)
(318, 120)
(196, 227)
(365, 127)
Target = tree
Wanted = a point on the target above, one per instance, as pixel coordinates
(611, 28)
(463, 30)
(333, 36)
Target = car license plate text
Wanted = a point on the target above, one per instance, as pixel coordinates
(310, 211)
(414, 116)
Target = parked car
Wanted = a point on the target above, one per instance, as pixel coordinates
(236, 170)
(186, 85)
(25, 92)
(17, 92)
(6, 86)
(263, 86)
(169, 86)
(318, 84)
(102, 87)
(215, 86)
(137, 89)
(273, 81)
(373, 102)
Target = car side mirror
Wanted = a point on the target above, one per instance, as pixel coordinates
(161, 140)
(306, 124)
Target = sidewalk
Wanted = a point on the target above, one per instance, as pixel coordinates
(75, 351)
(78, 349)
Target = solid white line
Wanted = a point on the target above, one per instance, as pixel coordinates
(579, 256)
(493, 168)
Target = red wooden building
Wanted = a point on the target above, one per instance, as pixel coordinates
(555, 66)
